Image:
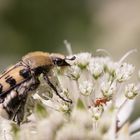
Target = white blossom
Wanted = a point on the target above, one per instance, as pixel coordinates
(111, 67)
(82, 60)
(95, 85)
(64, 107)
(86, 88)
(96, 67)
(108, 88)
(74, 72)
(124, 72)
(131, 90)
(96, 112)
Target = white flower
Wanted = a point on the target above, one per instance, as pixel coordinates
(82, 60)
(102, 111)
(96, 67)
(111, 67)
(124, 72)
(64, 108)
(108, 88)
(131, 90)
(86, 88)
(74, 72)
(96, 112)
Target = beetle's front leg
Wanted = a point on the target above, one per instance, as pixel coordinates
(54, 88)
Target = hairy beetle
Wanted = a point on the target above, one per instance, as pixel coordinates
(18, 80)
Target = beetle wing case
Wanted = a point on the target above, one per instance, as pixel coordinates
(11, 78)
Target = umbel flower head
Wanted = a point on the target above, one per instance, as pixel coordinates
(102, 93)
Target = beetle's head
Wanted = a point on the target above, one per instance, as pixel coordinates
(60, 60)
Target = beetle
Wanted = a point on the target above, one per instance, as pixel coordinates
(19, 79)
(100, 101)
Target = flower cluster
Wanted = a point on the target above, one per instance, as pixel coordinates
(101, 93)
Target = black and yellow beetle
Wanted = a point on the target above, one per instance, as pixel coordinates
(18, 80)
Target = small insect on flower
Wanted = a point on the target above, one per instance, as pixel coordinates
(100, 101)
(18, 80)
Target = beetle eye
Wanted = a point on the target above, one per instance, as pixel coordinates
(59, 62)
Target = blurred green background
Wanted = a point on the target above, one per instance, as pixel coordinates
(30, 25)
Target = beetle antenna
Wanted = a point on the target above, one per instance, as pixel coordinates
(53, 87)
(72, 58)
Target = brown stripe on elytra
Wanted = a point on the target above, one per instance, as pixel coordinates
(11, 81)
(10, 69)
(8, 76)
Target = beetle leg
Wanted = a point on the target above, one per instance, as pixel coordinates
(23, 95)
(35, 83)
(14, 102)
(19, 113)
(55, 90)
